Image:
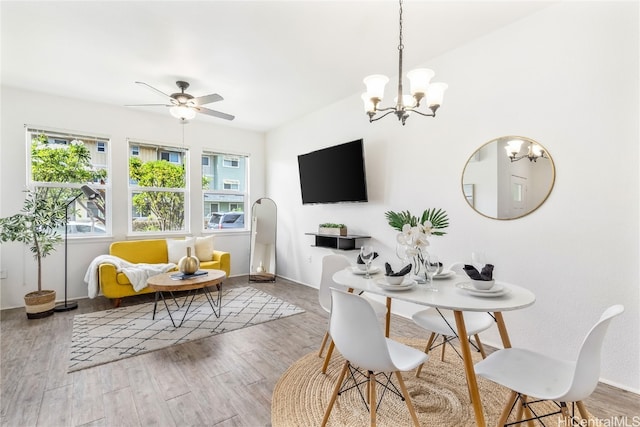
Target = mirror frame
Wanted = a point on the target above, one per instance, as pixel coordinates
(270, 276)
(498, 140)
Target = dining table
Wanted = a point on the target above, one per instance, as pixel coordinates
(449, 291)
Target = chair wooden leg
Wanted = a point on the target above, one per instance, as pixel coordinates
(116, 302)
(324, 342)
(507, 409)
(444, 346)
(372, 398)
(527, 412)
(327, 358)
(480, 346)
(426, 350)
(584, 414)
(407, 399)
(565, 413)
(345, 367)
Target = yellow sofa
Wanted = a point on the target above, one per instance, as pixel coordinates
(115, 285)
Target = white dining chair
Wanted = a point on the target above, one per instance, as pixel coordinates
(330, 265)
(442, 323)
(535, 375)
(355, 331)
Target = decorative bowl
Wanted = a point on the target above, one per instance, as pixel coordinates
(483, 285)
(394, 280)
(362, 267)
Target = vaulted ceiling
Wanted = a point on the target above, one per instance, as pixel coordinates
(272, 61)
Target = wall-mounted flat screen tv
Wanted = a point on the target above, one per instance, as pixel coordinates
(334, 174)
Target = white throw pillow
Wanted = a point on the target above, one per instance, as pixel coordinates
(177, 248)
(204, 248)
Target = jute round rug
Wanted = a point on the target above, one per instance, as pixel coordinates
(439, 396)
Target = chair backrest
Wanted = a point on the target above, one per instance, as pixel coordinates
(356, 333)
(330, 265)
(587, 372)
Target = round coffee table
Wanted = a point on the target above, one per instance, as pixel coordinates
(171, 282)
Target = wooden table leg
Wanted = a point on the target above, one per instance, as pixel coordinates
(468, 369)
(387, 326)
(506, 342)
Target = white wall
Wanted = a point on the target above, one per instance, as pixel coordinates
(567, 78)
(21, 107)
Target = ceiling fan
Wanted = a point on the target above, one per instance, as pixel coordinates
(184, 106)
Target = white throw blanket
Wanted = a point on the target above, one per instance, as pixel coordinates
(136, 273)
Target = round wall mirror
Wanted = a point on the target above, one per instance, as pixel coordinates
(508, 177)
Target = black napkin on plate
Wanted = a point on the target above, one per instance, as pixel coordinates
(485, 274)
(403, 272)
(360, 261)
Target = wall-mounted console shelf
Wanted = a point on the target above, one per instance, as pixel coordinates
(344, 243)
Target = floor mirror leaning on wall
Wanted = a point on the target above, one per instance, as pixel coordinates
(262, 262)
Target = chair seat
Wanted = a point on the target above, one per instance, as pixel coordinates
(431, 320)
(529, 373)
(405, 358)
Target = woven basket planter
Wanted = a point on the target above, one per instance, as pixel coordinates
(40, 304)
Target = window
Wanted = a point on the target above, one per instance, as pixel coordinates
(224, 185)
(169, 156)
(62, 163)
(231, 184)
(158, 190)
(231, 162)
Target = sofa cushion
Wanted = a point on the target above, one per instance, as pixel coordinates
(152, 251)
(177, 248)
(204, 248)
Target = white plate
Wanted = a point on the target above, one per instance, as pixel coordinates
(406, 284)
(444, 275)
(372, 270)
(496, 291)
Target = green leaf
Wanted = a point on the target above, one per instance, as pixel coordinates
(437, 217)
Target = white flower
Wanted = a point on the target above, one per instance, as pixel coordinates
(415, 238)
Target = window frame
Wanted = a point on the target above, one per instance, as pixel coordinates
(161, 148)
(244, 194)
(65, 137)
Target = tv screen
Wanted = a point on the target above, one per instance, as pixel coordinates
(334, 174)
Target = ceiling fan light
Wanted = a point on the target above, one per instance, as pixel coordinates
(182, 112)
(375, 86)
(419, 80)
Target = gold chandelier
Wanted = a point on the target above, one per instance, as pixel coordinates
(420, 87)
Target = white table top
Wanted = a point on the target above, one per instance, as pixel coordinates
(449, 296)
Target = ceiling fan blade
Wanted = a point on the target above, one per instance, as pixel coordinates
(214, 113)
(149, 105)
(207, 99)
(154, 89)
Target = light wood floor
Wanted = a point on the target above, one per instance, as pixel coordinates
(224, 380)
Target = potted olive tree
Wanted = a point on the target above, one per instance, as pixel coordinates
(35, 225)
